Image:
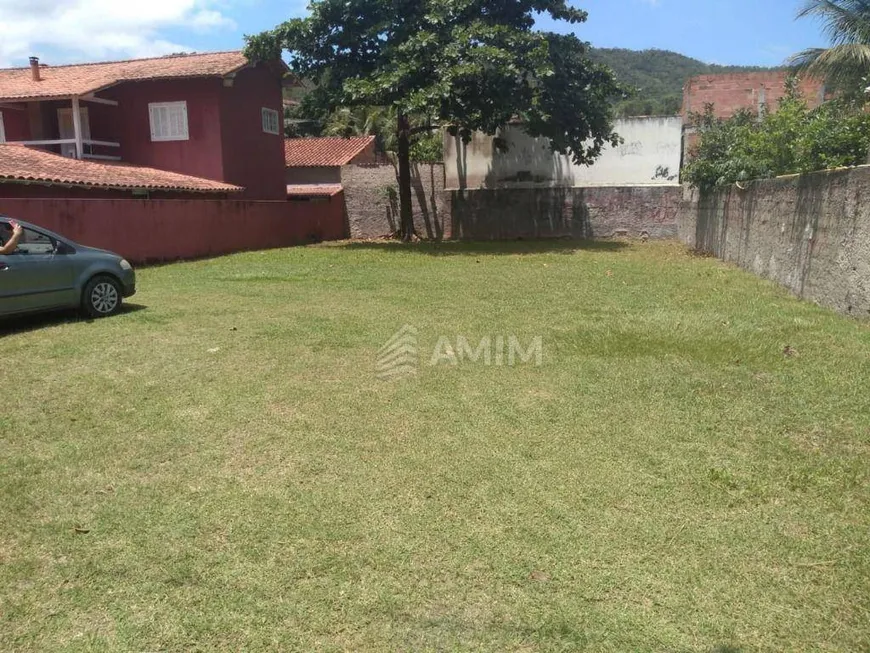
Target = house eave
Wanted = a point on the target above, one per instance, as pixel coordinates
(122, 188)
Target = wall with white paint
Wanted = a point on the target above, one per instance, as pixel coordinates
(649, 156)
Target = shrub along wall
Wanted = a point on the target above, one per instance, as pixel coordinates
(810, 233)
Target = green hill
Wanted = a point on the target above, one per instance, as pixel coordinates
(658, 76)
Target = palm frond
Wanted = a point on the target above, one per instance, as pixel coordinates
(847, 25)
(844, 21)
(805, 58)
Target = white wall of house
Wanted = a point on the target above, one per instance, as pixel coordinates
(651, 147)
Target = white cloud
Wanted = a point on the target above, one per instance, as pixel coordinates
(89, 30)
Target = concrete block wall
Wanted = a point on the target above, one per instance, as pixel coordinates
(371, 205)
(372, 200)
(595, 212)
(810, 233)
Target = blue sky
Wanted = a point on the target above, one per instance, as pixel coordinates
(739, 32)
(748, 32)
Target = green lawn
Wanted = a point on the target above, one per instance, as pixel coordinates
(220, 469)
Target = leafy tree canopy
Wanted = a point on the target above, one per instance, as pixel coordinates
(469, 64)
(476, 64)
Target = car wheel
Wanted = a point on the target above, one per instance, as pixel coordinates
(101, 297)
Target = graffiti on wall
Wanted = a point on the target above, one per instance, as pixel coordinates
(648, 155)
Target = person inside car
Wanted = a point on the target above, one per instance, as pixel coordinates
(9, 246)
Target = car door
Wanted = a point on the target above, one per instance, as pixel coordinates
(35, 276)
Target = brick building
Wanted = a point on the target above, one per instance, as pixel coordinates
(732, 92)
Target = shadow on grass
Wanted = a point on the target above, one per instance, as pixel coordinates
(472, 248)
(33, 322)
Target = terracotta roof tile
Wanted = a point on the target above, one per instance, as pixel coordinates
(24, 164)
(313, 190)
(81, 79)
(310, 152)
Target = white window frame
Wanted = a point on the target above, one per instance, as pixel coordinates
(154, 109)
(2, 129)
(266, 116)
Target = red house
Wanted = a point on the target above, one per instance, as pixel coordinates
(213, 116)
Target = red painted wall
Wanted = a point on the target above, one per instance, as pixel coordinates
(16, 124)
(105, 124)
(103, 121)
(152, 230)
(200, 156)
(252, 158)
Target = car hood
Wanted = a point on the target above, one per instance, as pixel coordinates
(96, 250)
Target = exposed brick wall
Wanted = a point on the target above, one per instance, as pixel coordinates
(730, 92)
(372, 205)
(595, 212)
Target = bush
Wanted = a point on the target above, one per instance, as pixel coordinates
(792, 140)
(428, 148)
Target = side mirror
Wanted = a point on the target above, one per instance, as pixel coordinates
(62, 248)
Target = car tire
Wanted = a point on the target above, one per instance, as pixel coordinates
(101, 297)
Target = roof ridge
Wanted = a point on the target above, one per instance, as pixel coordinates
(104, 63)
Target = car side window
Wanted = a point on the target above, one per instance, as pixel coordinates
(33, 242)
(5, 233)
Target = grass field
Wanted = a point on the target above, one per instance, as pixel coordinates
(220, 469)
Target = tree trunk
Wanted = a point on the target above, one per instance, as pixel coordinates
(406, 212)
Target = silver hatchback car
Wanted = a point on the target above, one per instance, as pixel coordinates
(46, 272)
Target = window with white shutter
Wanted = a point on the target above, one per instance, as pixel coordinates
(168, 121)
(2, 129)
(271, 123)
